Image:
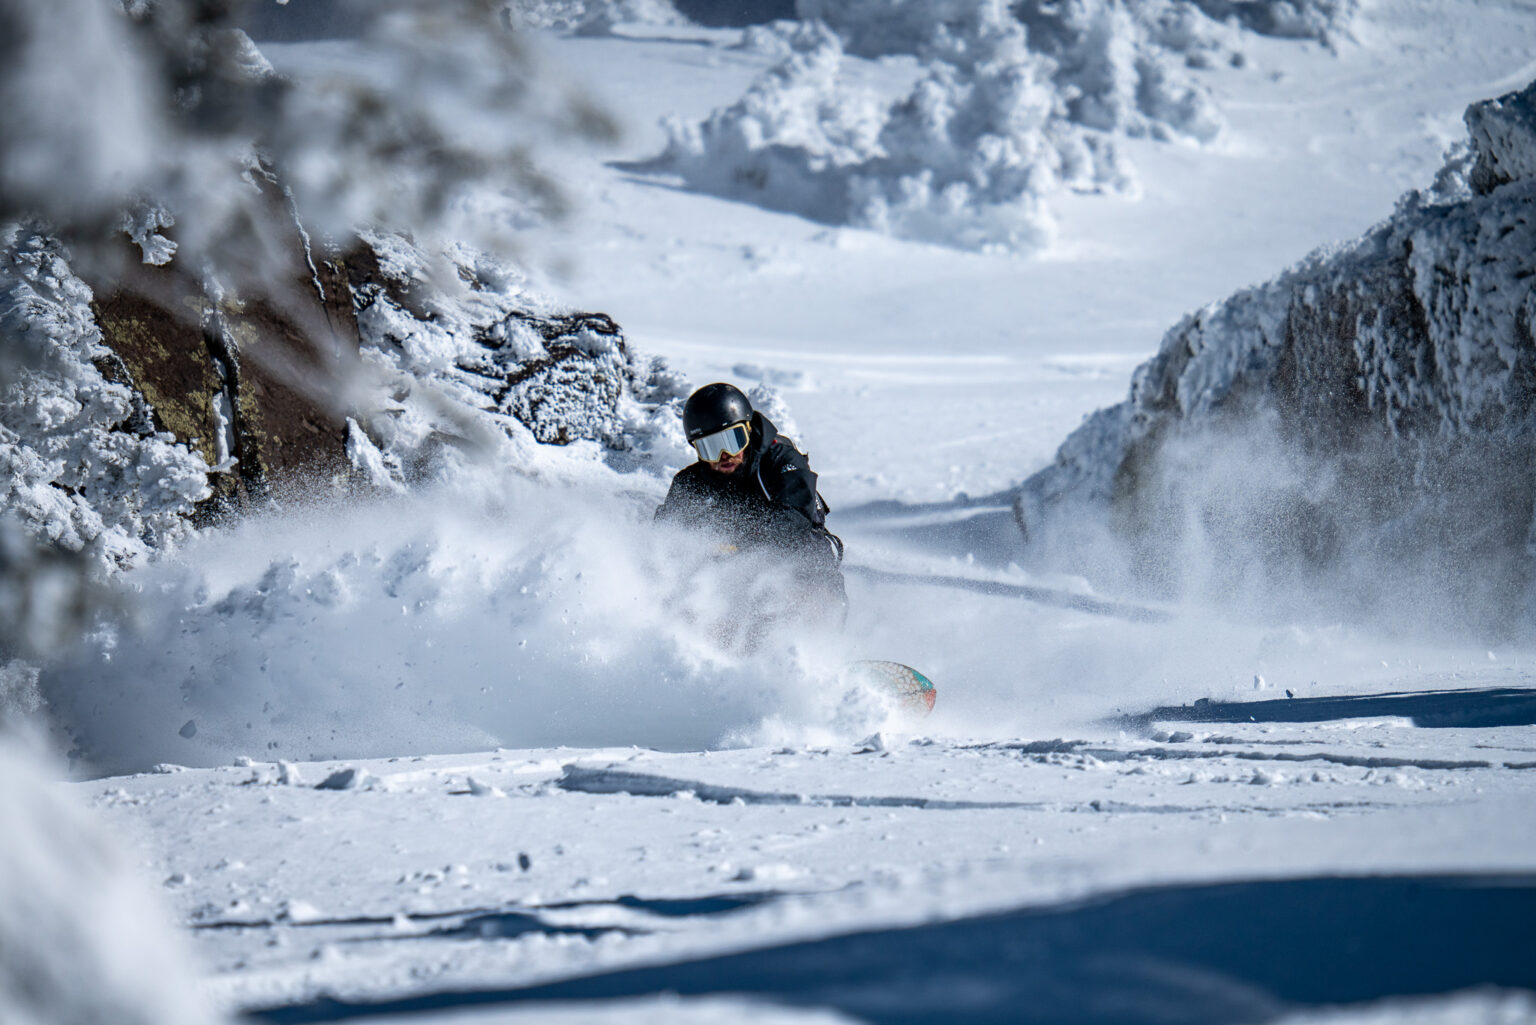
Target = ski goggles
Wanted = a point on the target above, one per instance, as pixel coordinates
(726, 442)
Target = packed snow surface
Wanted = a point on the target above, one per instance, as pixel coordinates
(876, 879)
(486, 752)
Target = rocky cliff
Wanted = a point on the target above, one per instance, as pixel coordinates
(1355, 436)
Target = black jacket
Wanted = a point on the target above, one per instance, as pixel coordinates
(770, 501)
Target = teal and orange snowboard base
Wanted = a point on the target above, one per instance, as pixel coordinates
(912, 691)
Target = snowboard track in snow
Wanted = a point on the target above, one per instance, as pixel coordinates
(581, 779)
(1244, 951)
(663, 907)
(640, 784)
(1040, 595)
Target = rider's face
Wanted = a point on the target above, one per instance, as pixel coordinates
(728, 463)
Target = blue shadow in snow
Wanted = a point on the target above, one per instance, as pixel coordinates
(1494, 706)
(1219, 954)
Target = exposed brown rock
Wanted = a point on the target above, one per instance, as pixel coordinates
(276, 353)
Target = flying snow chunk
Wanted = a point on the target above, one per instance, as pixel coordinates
(300, 912)
(479, 789)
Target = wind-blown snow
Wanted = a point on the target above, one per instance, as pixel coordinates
(445, 622)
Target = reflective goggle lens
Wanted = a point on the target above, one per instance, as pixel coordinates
(727, 442)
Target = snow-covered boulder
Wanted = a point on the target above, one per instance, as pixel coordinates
(1360, 427)
(464, 362)
(1015, 102)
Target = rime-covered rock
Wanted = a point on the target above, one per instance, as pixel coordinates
(1504, 137)
(1359, 427)
(465, 363)
(85, 468)
(240, 371)
(167, 392)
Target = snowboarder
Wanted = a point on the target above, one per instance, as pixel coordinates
(755, 491)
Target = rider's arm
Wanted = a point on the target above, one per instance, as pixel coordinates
(787, 480)
(798, 516)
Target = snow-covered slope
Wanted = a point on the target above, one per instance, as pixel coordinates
(1116, 811)
(1359, 427)
(1224, 871)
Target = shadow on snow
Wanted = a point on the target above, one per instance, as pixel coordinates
(1494, 706)
(1224, 953)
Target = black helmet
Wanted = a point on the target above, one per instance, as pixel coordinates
(714, 407)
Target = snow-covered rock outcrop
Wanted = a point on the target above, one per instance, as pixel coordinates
(1361, 426)
(162, 400)
(1014, 103)
(462, 358)
(381, 365)
(189, 318)
(85, 467)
